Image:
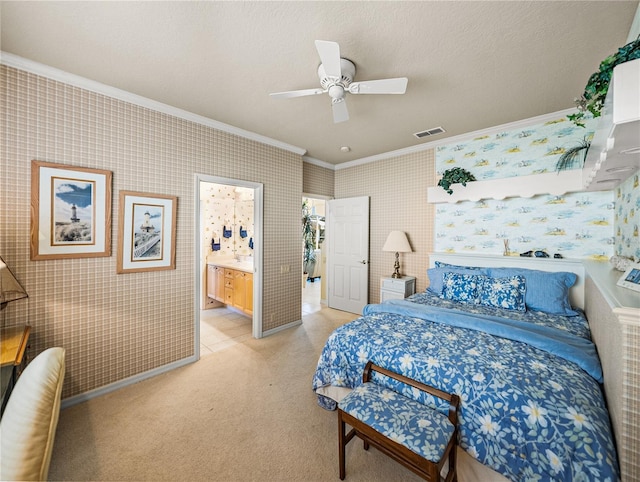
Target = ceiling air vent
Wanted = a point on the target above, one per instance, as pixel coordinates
(429, 132)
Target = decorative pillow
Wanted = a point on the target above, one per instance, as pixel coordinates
(436, 275)
(507, 293)
(460, 287)
(546, 291)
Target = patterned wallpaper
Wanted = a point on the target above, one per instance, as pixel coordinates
(576, 225)
(531, 150)
(117, 326)
(317, 180)
(397, 190)
(230, 209)
(627, 218)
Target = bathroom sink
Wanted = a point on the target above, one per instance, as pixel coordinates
(242, 263)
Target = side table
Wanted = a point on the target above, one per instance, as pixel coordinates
(397, 288)
(13, 346)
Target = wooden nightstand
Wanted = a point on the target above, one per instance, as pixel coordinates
(13, 345)
(397, 288)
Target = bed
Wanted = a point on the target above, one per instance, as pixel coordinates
(512, 342)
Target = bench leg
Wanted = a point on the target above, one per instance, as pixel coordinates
(453, 461)
(341, 443)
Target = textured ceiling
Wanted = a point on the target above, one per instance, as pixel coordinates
(471, 65)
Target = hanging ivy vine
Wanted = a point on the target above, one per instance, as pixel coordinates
(595, 92)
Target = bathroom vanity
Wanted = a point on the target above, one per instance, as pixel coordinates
(230, 281)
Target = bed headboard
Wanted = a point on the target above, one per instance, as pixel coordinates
(576, 293)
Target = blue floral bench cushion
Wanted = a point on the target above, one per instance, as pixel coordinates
(419, 428)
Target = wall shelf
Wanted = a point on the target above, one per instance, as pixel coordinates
(613, 157)
(553, 183)
(614, 154)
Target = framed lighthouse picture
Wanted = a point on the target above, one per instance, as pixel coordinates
(70, 211)
(146, 232)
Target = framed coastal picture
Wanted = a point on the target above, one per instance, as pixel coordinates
(146, 232)
(70, 211)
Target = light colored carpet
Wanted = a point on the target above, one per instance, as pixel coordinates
(245, 413)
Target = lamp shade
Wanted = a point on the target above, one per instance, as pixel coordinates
(397, 242)
(10, 288)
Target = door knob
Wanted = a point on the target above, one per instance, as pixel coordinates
(364, 261)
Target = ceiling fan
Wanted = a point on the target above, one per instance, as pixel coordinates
(336, 77)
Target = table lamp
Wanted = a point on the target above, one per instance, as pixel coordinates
(397, 242)
(10, 288)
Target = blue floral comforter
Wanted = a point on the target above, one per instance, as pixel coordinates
(532, 408)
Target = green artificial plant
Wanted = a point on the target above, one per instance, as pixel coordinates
(595, 92)
(308, 238)
(455, 175)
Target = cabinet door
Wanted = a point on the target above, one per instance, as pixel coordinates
(248, 293)
(239, 290)
(219, 284)
(211, 281)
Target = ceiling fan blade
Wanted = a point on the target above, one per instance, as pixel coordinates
(329, 53)
(340, 112)
(383, 86)
(297, 93)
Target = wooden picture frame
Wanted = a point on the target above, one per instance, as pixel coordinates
(70, 211)
(146, 232)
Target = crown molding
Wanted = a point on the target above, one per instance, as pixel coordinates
(52, 73)
(459, 138)
(11, 60)
(318, 162)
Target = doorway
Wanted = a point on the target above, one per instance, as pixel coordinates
(228, 267)
(314, 295)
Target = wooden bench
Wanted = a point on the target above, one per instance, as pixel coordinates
(413, 434)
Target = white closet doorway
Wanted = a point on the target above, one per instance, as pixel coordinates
(228, 262)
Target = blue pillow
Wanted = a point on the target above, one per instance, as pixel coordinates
(460, 287)
(546, 291)
(435, 275)
(507, 293)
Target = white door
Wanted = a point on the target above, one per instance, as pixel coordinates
(348, 254)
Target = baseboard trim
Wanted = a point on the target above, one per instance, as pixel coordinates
(112, 387)
(280, 328)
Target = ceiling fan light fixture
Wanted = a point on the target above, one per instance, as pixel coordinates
(336, 78)
(347, 73)
(336, 92)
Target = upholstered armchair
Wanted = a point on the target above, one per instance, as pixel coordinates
(29, 422)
